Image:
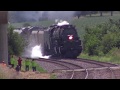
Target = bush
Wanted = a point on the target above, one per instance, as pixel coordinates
(16, 43)
(100, 39)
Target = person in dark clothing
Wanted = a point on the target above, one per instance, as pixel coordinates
(20, 62)
(17, 68)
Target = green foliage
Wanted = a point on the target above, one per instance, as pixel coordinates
(26, 24)
(114, 51)
(16, 43)
(100, 39)
(92, 43)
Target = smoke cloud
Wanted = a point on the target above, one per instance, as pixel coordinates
(39, 15)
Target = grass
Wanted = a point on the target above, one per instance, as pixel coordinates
(107, 58)
(53, 76)
(40, 69)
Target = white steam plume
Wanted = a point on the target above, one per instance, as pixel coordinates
(37, 53)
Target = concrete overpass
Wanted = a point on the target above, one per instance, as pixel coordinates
(3, 36)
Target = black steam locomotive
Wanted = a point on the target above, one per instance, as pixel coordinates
(57, 41)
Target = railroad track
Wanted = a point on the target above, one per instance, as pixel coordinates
(98, 63)
(77, 63)
(63, 64)
(86, 74)
(90, 73)
(73, 64)
(87, 63)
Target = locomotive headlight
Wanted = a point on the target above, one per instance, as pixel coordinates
(70, 37)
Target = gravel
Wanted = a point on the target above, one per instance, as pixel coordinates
(83, 64)
(104, 73)
(49, 67)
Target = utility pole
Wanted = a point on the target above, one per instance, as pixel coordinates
(3, 37)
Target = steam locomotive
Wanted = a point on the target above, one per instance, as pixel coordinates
(57, 41)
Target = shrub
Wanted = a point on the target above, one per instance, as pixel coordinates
(100, 39)
(16, 43)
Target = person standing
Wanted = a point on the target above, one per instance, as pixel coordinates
(20, 62)
(33, 65)
(12, 61)
(27, 64)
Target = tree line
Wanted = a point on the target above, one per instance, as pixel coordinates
(20, 16)
(84, 13)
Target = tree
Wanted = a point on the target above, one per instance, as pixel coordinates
(16, 43)
(111, 13)
(92, 12)
(102, 38)
(77, 13)
(101, 13)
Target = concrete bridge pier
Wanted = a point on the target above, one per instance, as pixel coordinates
(3, 36)
(3, 43)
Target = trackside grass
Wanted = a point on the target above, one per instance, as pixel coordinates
(107, 58)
